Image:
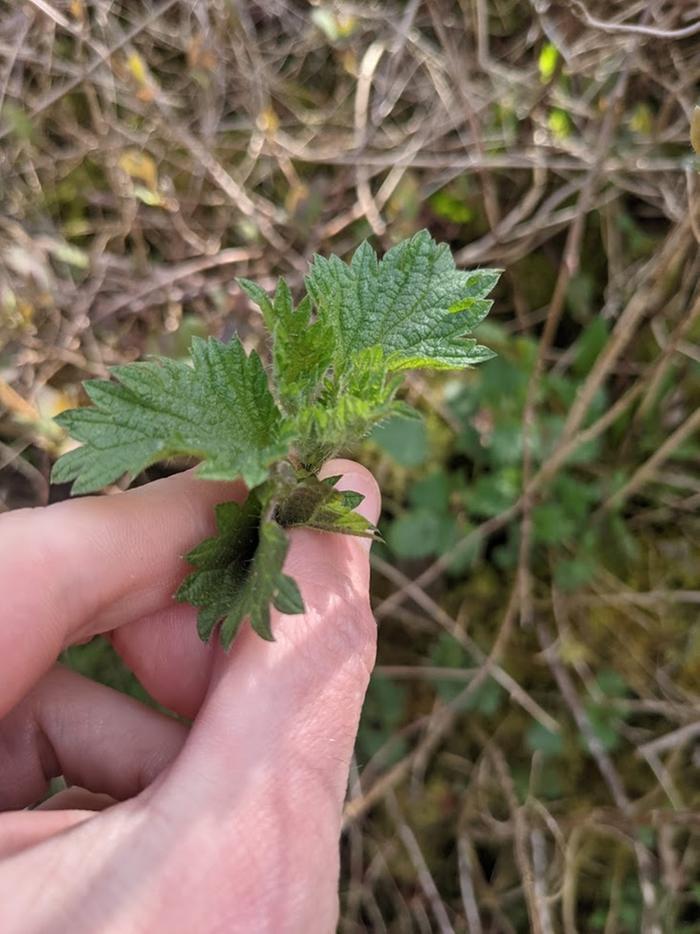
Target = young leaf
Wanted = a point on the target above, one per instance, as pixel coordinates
(315, 504)
(301, 350)
(414, 304)
(348, 407)
(221, 563)
(239, 573)
(219, 410)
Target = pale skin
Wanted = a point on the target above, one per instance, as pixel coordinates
(229, 825)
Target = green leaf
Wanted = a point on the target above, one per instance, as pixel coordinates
(492, 494)
(239, 573)
(404, 440)
(432, 492)
(221, 563)
(547, 61)
(589, 345)
(401, 409)
(219, 410)
(605, 724)
(487, 699)
(351, 500)
(416, 534)
(505, 442)
(383, 711)
(559, 123)
(453, 207)
(611, 683)
(316, 505)
(301, 350)
(414, 304)
(572, 573)
(421, 532)
(288, 599)
(539, 739)
(348, 406)
(263, 584)
(551, 523)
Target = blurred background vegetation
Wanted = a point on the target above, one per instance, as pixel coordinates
(529, 755)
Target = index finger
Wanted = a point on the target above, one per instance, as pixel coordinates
(75, 569)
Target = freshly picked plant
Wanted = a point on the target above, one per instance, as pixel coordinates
(336, 365)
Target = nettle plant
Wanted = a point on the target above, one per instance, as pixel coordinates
(337, 360)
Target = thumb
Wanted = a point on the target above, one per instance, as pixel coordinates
(266, 765)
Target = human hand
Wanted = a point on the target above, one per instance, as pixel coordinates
(232, 825)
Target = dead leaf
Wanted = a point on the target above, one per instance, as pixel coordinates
(137, 68)
(268, 121)
(200, 55)
(139, 166)
(695, 130)
(77, 10)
